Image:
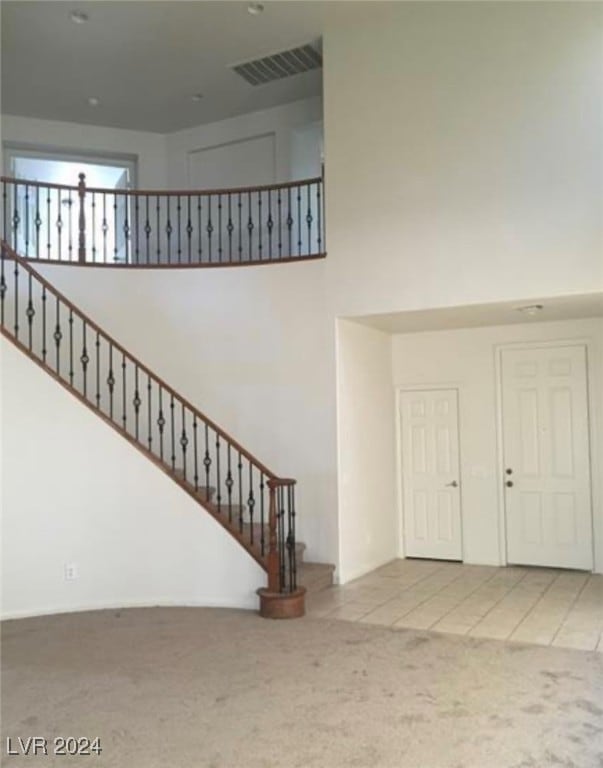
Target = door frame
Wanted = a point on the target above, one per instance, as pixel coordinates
(590, 408)
(399, 473)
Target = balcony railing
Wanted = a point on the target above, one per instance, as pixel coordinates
(136, 228)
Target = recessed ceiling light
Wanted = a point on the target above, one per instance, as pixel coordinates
(196, 97)
(530, 309)
(78, 17)
(255, 9)
(93, 101)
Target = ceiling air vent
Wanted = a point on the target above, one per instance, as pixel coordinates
(279, 65)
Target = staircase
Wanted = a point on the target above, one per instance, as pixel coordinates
(253, 504)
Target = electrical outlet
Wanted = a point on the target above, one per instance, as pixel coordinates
(71, 572)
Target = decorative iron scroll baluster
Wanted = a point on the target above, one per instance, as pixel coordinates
(44, 350)
(184, 440)
(209, 228)
(262, 519)
(173, 436)
(189, 228)
(260, 225)
(299, 223)
(250, 501)
(30, 312)
(136, 402)
(161, 423)
(229, 482)
(199, 231)
(111, 380)
(218, 484)
(97, 350)
(84, 360)
(220, 228)
(58, 335)
(196, 454)
(179, 225)
(71, 347)
(124, 417)
(16, 321)
(81, 218)
(206, 457)
(250, 226)
(240, 469)
(149, 411)
(230, 227)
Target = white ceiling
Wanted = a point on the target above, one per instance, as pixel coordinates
(144, 60)
(477, 315)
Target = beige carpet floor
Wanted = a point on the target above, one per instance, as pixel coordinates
(180, 688)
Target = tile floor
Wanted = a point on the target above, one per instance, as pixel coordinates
(531, 605)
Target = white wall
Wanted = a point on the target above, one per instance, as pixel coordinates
(74, 491)
(366, 449)
(465, 163)
(251, 347)
(281, 122)
(150, 148)
(465, 359)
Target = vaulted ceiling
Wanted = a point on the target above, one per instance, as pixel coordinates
(144, 61)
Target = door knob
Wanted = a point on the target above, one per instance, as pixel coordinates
(453, 484)
(509, 483)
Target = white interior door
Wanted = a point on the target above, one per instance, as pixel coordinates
(546, 457)
(431, 480)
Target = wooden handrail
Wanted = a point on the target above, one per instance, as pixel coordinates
(116, 345)
(167, 192)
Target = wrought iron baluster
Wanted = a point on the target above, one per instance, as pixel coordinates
(199, 231)
(137, 228)
(249, 227)
(147, 229)
(15, 218)
(161, 422)
(240, 470)
(27, 220)
(97, 351)
(44, 350)
(127, 229)
(48, 237)
(184, 440)
(229, 482)
(220, 228)
(179, 224)
(84, 360)
(230, 227)
(105, 227)
(318, 218)
(189, 228)
(289, 223)
(169, 230)
(250, 501)
(111, 380)
(209, 228)
(93, 217)
(260, 225)
(240, 206)
(270, 224)
(30, 311)
(281, 537)
(262, 519)
(218, 485)
(4, 212)
(173, 436)
(149, 411)
(38, 222)
(136, 402)
(280, 225)
(207, 460)
(16, 321)
(124, 416)
(3, 286)
(309, 220)
(158, 235)
(59, 225)
(291, 537)
(70, 346)
(69, 226)
(58, 336)
(299, 224)
(196, 453)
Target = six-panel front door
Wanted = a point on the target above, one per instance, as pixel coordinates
(430, 466)
(546, 457)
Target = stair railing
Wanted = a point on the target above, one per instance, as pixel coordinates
(137, 228)
(242, 494)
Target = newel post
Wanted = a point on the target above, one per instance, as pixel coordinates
(273, 558)
(81, 188)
